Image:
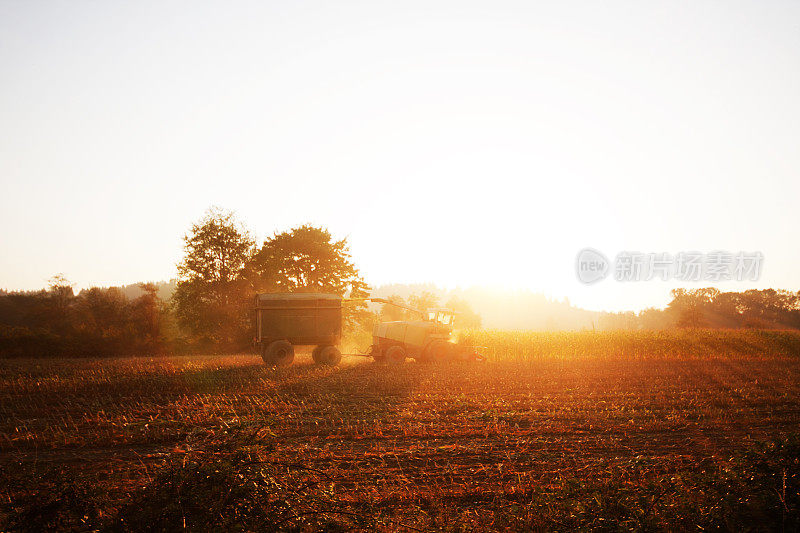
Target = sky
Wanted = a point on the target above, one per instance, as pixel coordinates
(455, 142)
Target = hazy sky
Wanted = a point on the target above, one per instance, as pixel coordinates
(458, 142)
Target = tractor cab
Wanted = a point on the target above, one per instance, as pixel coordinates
(442, 316)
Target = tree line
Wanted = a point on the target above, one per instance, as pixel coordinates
(98, 321)
(711, 308)
(223, 268)
(211, 308)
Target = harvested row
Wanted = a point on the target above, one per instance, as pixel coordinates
(525, 443)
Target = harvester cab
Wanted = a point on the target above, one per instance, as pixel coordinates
(445, 317)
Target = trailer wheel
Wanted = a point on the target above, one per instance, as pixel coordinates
(327, 355)
(396, 355)
(278, 353)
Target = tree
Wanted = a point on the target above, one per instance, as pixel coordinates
(692, 308)
(423, 301)
(102, 311)
(652, 318)
(61, 290)
(466, 318)
(146, 316)
(392, 313)
(212, 298)
(308, 259)
(57, 310)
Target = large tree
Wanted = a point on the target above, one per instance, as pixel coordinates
(309, 259)
(212, 298)
(306, 259)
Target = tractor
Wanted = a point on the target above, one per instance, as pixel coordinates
(426, 340)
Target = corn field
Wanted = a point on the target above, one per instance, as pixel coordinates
(499, 345)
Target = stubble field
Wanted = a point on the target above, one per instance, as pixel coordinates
(621, 441)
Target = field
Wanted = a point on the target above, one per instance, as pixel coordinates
(610, 431)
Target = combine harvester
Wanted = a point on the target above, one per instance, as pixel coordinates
(286, 320)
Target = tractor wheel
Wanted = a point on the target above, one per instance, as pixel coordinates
(278, 353)
(396, 355)
(327, 355)
(437, 351)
